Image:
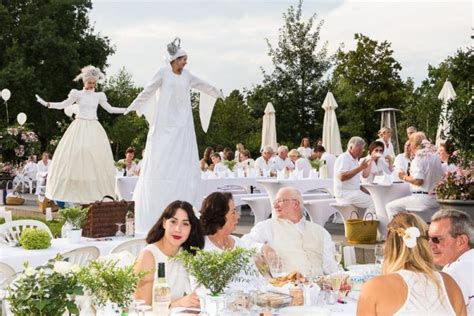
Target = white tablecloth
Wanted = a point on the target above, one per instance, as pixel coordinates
(124, 187)
(17, 255)
(381, 195)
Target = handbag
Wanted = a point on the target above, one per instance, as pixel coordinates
(361, 231)
(102, 217)
(14, 198)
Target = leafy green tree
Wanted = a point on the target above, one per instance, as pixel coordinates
(43, 45)
(295, 87)
(366, 79)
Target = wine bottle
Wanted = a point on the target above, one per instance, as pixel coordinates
(161, 292)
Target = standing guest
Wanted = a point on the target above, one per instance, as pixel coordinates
(347, 172)
(444, 154)
(319, 142)
(320, 153)
(300, 163)
(451, 236)
(425, 173)
(171, 164)
(409, 284)
(206, 160)
(176, 229)
(385, 135)
(402, 161)
(304, 148)
(245, 162)
(83, 169)
(238, 149)
(263, 163)
(379, 165)
(217, 165)
(131, 169)
(281, 161)
(411, 130)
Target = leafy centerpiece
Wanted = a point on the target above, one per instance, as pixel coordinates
(35, 238)
(230, 164)
(75, 216)
(316, 164)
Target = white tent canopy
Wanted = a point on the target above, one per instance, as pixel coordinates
(269, 136)
(331, 135)
(446, 95)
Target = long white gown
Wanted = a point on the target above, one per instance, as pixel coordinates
(82, 170)
(170, 169)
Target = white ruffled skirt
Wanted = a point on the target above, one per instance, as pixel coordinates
(82, 170)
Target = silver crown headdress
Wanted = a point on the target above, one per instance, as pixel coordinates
(90, 72)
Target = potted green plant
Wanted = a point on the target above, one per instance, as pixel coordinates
(35, 238)
(230, 164)
(45, 290)
(74, 218)
(110, 285)
(214, 270)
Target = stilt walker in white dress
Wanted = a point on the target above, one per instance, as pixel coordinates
(170, 169)
(82, 170)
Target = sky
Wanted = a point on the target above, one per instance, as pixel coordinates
(225, 39)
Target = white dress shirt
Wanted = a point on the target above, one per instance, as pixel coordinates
(303, 164)
(280, 164)
(220, 167)
(462, 271)
(426, 167)
(330, 161)
(401, 163)
(345, 162)
(262, 164)
(262, 233)
(30, 170)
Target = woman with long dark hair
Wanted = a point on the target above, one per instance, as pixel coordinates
(176, 229)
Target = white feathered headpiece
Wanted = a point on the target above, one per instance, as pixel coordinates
(174, 49)
(89, 72)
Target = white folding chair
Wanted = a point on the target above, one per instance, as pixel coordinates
(10, 232)
(133, 246)
(82, 255)
(7, 274)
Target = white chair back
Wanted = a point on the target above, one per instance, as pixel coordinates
(7, 274)
(10, 232)
(82, 255)
(133, 246)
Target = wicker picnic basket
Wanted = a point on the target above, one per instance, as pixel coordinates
(14, 198)
(103, 216)
(362, 231)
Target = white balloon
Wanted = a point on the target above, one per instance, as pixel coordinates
(21, 118)
(6, 94)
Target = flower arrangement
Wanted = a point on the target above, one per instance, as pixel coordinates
(74, 215)
(230, 164)
(45, 290)
(107, 281)
(457, 185)
(316, 164)
(216, 269)
(35, 238)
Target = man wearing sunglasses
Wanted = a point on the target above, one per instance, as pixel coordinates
(451, 238)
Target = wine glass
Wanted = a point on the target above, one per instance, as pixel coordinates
(119, 232)
(378, 253)
(274, 264)
(141, 309)
(338, 255)
(135, 304)
(336, 282)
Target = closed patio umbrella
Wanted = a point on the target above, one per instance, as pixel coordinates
(331, 135)
(269, 136)
(446, 95)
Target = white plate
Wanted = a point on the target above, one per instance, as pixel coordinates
(304, 310)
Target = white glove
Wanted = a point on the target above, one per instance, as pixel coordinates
(126, 111)
(41, 101)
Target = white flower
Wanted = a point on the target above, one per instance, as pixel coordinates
(30, 271)
(410, 237)
(75, 268)
(62, 267)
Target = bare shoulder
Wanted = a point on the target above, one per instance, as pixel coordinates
(145, 261)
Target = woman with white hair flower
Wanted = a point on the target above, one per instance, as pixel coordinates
(170, 169)
(83, 167)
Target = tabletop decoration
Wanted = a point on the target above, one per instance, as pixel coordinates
(74, 218)
(35, 238)
(230, 164)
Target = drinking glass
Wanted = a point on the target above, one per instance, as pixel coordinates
(338, 255)
(378, 253)
(274, 264)
(135, 304)
(336, 282)
(119, 232)
(141, 309)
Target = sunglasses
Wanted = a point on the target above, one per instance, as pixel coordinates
(435, 240)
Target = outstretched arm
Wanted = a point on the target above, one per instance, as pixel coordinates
(148, 91)
(205, 87)
(106, 106)
(58, 105)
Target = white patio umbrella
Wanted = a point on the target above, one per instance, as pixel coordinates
(331, 135)
(446, 95)
(269, 136)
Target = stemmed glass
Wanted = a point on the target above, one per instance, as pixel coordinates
(135, 304)
(338, 255)
(141, 309)
(336, 282)
(274, 264)
(378, 253)
(119, 232)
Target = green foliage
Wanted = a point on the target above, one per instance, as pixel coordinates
(76, 216)
(106, 281)
(316, 164)
(34, 238)
(295, 87)
(45, 290)
(230, 164)
(43, 46)
(366, 79)
(215, 269)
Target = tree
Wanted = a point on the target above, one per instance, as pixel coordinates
(43, 45)
(295, 87)
(366, 79)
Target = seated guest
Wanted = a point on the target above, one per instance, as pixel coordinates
(176, 229)
(451, 236)
(42, 171)
(220, 151)
(281, 161)
(238, 149)
(385, 135)
(347, 171)
(263, 163)
(31, 168)
(320, 153)
(402, 161)
(444, 154)
(425, 173)
(206, 161)
(302, 245)
(245, 161)
(304, 148)
(379, 165)
(409, 284)
(299, 162)
(217, 165)
(130, 164)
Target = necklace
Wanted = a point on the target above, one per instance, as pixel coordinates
(226, 244)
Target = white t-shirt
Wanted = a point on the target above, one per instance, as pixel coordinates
(305, 151)
(303, 164)
(330, 161)
(462, 271)
(280, 164)
(426, 167)
(262, 164)
(220, 167)
(401, 163)
(345, 162)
